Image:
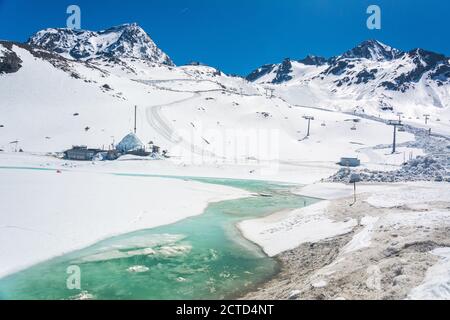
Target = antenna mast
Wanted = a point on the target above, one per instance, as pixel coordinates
(135, 119)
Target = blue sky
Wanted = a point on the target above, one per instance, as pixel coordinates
(240, 35)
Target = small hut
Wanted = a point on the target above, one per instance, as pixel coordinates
(350, 162)
(81, 153)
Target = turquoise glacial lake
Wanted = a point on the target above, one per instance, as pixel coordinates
(202, 257)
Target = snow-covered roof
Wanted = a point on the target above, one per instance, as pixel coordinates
(130, 143)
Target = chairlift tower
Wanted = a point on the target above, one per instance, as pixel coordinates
(395, 124)
(309, 118)
(427, 117)
(399, 114)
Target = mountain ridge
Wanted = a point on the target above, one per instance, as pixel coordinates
(371, 70)
(371, 76)
(123, 41)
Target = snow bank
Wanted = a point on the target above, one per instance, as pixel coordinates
(381, 195)
(436, 285)
(331, 191)
(44, 214)
(286, 231)
(362, 239)
(410, 194)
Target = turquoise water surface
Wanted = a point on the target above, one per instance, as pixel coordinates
(203, 257)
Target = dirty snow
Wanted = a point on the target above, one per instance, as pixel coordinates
(363, 238)
(436, 285)
(393, 253)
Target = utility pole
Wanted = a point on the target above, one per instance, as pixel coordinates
(135, 119)
(309, 118)
(395, 124)
(427, 117)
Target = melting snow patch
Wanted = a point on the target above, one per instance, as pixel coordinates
(399, 197)
(309, 224)
(171, 251)
(362, 239)
(138, 269)
(294, 294)
(320, 284)
(84, 295)
(436, 285)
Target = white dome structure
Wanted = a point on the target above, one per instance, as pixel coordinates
(130, 143)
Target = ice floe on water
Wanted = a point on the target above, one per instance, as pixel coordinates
(83, 295)
(212, 256)
(170, 251)
(181, 279)
(167, 245)
(145, 241)
(138, 269)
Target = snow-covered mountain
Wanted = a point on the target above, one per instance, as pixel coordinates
(373, 50)
(66, 88)
(364, 56)
(50, 101)
(373, 77)
(125, 41)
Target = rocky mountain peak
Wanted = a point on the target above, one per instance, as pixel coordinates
(124, 41)
(372, 50)
(312, 60)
